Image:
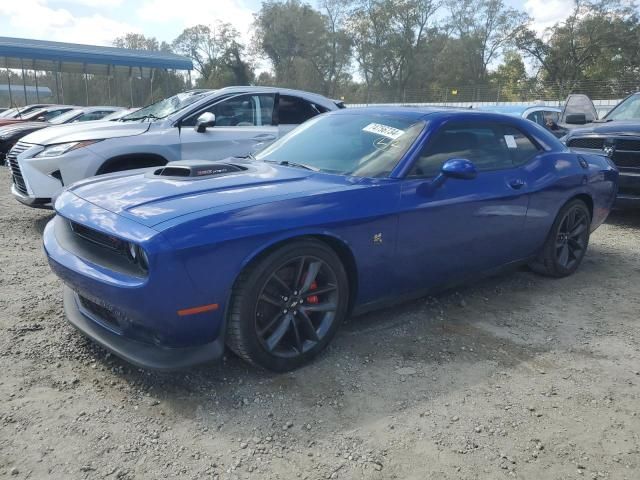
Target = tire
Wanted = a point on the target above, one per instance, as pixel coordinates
(567, 242)
(287, 307)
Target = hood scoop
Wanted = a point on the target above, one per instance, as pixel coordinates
(195, 170)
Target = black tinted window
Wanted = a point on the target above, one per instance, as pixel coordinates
(483, 144)
(294, 110)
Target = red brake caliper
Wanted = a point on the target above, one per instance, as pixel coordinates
(313, 299)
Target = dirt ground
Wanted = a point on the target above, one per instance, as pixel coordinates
(517, 377)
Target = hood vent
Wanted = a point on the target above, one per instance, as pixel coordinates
(190, 170)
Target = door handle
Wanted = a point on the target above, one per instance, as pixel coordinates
(265, 137)
(516, 183)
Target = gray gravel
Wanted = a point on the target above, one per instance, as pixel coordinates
(516, 377)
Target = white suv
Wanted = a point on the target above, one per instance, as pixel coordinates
(198, 124)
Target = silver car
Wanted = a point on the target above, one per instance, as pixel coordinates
(198, 124)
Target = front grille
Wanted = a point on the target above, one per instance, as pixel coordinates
(100, 312)
(628, 145)
(587, 142)
(626, 159)
(99, 238)
(16, 173)
(625, 154)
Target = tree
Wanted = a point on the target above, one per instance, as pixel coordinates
(389, 36)
(510, 78)
(306, 48)
(598, 41)
(484, 29)
(217, 53)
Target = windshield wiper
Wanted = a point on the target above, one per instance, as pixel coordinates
(144, 117)
(286, 163)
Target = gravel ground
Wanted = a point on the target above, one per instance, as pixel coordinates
(518, 377)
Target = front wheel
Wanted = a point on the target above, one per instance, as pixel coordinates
(567, 242)
(287, 307)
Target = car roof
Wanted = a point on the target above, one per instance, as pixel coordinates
(442, 114)
(516, 109)
(301, 93)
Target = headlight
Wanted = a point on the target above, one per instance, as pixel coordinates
(62, 148)
(138, 256)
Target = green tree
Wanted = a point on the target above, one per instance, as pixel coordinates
(510, 78)
(484, 29)
(598, 42)
(217, 53)
(306, 48)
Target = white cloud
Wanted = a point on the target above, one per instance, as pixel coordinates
(205, 12)
(96, 3)
(546, 13)
(36, 19)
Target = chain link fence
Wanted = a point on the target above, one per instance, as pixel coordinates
(609, 91)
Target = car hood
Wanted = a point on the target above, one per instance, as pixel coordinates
(151, 200)
(21, 127)
(608, 128)
(78, 132)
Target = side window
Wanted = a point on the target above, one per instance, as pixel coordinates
(481, 143)
(520, 147)
(239, 111)
(53, 113)
(551, 119)
(87, 117)
(536, 117)
(294, 110)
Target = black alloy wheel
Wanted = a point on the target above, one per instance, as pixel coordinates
(287, 308)
(296, 306)
(572, 237)
(567, 242)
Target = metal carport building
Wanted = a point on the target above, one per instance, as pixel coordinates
(40, 55)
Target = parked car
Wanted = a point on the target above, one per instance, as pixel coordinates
(18, 111)
(547, 117)
(10, 134)
(617, 136)
(353, 210)
(43, 114)
(200, 124)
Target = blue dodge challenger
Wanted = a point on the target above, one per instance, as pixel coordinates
(353, 210)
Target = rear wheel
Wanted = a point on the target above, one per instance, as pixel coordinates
(286, 308)
(567, 242)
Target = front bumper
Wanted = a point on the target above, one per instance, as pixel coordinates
(628, 190)
(137, 353)
(135, 315)
(34, 202)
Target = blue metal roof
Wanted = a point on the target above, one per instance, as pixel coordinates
(45, 55)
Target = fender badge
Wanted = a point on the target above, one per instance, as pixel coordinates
(377, 239)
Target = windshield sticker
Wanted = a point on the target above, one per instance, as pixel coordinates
(384, 130)
(511, 141)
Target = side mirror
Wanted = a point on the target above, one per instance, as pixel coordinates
(40, 119)
(576, 119)
(207, 119)
(460, 169)
(457, 168)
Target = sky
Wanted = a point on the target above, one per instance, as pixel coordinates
(98, 22)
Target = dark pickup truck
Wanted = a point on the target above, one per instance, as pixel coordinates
(617, 136)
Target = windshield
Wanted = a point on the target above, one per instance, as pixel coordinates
(65, 117)
(362, 145)
(118, 114)
(9, 113)
(165, 107)
(629, 109)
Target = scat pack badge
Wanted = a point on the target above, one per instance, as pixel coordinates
(377, 239)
